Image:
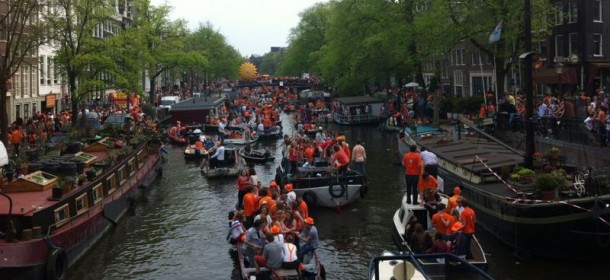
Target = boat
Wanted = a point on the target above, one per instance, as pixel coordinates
(55, 213)
(174, 136)
(569, 227)
(408, 266)
(191, 152)
(256, 156)
(357, 110)
(231, 167)
(408, 210)
(311, 264)
(322, 186)
(237, 137)
(274, 133)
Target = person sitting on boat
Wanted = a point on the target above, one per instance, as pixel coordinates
(273, 255)
(236, 228)
(441, 220)
(320, 137)
(458, 240)
(426, 182)
(340, 160)
(439, 246)
(420, 240)
(453, 200)
(253, 242)
(431, 200)
(199, 148)
(276, 230)
(310, 236)
(217, 160)
(291, 260)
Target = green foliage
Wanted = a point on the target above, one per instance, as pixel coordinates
(549, 182)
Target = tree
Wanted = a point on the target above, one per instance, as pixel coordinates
(23, 31)
(85, 59)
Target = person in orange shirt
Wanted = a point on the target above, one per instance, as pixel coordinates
(442, 220)
(469, 220)
(413, 166)
(250, 205)
(16, 138)
(453, 200)
(303, 209)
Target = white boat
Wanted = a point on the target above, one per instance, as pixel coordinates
(402, 217)
(389, 266)
(231, 167)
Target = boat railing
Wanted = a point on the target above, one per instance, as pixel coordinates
(415, 259)
(354, 119)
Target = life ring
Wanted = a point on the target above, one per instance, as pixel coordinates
(57, 264)
(332, 190)
(310, 198)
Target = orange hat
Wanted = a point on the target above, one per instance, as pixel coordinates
(288, 187)
(275, 229)
(457, 226)
(309, 220)
(457, 190)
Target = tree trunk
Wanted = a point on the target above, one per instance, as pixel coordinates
(4, 111)
(73, 99)
(152, 90)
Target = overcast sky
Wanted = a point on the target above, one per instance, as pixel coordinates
(250, 26)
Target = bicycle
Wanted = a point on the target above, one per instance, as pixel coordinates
(580, 179)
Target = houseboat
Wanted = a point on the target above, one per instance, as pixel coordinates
(196, 109)
(54, 214)
(357, 110)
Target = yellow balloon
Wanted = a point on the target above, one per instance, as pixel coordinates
(247, 71)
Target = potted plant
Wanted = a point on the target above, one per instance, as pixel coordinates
(58, 189)
(522, 178)
(548, 185)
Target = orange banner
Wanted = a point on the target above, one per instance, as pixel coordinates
(50, 100)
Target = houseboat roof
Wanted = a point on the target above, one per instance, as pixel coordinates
(355, 100)
(198, 103)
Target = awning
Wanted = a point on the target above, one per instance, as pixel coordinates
(551, 77)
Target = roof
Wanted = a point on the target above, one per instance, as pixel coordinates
(354, 100)
(197, 103)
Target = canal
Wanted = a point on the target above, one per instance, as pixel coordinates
(178, 230)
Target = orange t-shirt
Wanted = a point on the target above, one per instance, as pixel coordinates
(437, 221)
(452, 203)
(429, 183)
(412, 163)
(270, 202)
(601, 117)
(303, 209)
(250, 204)
(469, 219)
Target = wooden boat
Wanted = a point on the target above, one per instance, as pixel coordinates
(237, 137)
(256, 156)
(48, 227)
(474, 160)
(190, 152)
(408, 266)
(402, 217)
(233, 164)
(314, 269)
(322, 186)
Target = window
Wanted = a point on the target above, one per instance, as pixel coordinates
(597, 45)
(573, 15)
(26, 111)
(98, 194)
(111, 183)
(542, 51)
(62, 214)
(34, 108)
(17, 111)
(573, 43)
(82, 203)
(458, 82)
(132, 166)
(597, 10)
(558, 13)
(459, 56)
(33, 81)
(42, 68)
(559, 45)
(25, 85)
(55, 73)
(123, 174)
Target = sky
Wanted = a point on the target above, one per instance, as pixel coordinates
(250, 26)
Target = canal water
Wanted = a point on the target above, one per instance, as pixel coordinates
(178, 230)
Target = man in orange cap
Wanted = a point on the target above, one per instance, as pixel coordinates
(278, 236)
(453, 200)
(290, 194)
(310, 236)
(460, 244)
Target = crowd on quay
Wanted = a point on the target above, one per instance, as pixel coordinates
(454, 223)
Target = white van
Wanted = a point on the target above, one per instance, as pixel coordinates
(168, 101)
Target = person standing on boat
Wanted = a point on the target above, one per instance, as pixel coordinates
(310, 236)
(340, 160)
(413, 166)
(320, 137)
(250, 203)
(359, 157)
(430, 162)
(469, 219)
(242, 187)
(218, 158)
